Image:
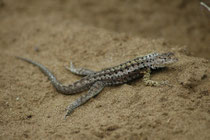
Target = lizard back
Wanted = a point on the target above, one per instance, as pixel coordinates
(131, 70)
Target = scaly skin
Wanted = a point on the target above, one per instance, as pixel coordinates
(96, 81)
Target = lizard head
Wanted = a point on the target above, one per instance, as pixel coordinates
(163, 60)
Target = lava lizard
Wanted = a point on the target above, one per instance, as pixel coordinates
(120, 74)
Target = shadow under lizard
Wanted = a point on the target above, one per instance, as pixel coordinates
(120, 74)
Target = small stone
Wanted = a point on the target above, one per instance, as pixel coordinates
(17, 99)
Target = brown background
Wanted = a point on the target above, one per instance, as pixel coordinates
(85, 32)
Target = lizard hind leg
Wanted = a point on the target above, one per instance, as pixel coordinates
(96, 88)
(79, 71)
(148, 82)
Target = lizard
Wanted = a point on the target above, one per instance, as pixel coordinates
(96, 81)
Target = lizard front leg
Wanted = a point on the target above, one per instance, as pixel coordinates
(95, 89)
(147, 81)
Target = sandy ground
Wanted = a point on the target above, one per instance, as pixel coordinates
(53, 33)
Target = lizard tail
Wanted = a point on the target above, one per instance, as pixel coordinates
(58, 86)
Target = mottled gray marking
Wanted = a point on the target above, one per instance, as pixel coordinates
(96, 81)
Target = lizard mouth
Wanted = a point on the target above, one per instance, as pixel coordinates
(168, 57)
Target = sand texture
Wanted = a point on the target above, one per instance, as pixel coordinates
(30, 108)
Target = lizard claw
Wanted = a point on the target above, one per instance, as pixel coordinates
(70, 67)
(166, 83)
(68, 112)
